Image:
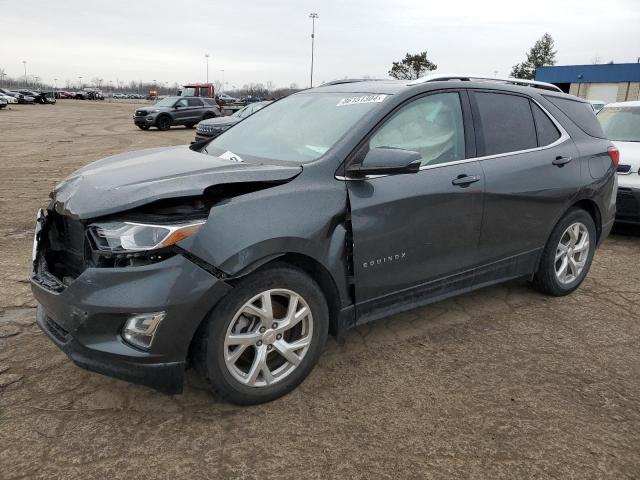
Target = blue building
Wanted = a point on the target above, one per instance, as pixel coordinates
(611, 82)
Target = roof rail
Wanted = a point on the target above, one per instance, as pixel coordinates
(436, 77)
(350, 80)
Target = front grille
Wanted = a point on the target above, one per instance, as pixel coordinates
(63, 247)
(624, 168)
(627, 203)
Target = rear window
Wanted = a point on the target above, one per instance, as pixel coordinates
(581, 113)
(621, 124)
(507, 123)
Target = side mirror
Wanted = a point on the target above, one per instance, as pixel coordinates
(387, 161)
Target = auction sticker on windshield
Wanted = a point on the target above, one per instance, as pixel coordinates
(362, 99)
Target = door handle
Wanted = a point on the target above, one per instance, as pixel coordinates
(561, 161)
(465, 180)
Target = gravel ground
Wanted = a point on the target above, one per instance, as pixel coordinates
(501, 383)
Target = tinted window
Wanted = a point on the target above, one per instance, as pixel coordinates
(431, 126)
(581, 113)
(194, 102)
(547, 131)
(507, 123)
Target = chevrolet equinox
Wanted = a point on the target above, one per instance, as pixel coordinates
(328, 209)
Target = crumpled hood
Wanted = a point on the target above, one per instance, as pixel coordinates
(132, 179)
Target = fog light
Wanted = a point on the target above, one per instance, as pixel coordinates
(140, 329)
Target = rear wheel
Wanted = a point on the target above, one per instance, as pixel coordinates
(190, 125)
(208, 115)
(143, 127)
(265, 337)
(568, 254)
(163, 122)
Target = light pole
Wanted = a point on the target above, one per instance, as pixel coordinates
(24, 64)
(313, 17)
(206, 55)
(222, 79)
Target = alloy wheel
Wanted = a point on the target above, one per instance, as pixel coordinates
(572, 253)
(268, 337)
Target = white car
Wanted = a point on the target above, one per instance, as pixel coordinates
(226, 98)
(621, 123)
(8, 98)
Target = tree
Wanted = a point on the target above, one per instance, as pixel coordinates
(540, 55)
(412, 66)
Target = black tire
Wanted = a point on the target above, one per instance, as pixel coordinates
(208, 115)
(190, 125)
(163, 122)
(208, 353)
(143, 127)
(545, 279)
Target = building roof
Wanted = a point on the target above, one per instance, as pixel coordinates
(600, 73)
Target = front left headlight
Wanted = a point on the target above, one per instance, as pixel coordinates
(135, 237)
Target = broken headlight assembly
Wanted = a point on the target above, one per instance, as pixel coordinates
(124, 243)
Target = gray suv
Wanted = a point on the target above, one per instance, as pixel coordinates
(172, 111)
(331, 208)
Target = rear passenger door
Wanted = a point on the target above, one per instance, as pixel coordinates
(195, 109)
(531, 174)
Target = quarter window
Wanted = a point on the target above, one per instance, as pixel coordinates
(431, 126)
(507, 123)
(194, 102)
(547, 131)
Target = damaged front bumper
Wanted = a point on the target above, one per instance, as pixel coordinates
(85, 319)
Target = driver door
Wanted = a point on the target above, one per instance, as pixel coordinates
(181, 109)
(415, 236)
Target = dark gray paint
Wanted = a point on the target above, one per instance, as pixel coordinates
(454, 239)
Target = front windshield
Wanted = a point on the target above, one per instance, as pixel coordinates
(299, 128)
(166, 102)
(188, 91)
(621, 124)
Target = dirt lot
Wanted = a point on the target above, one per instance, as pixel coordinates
(503, 383)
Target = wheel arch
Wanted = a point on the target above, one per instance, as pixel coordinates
(310, 266)
(593, 210)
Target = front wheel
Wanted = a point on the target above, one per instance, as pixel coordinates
(143, 127)
(265, 336)
(567, 257)
(163, 122)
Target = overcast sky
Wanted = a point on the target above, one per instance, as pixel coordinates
(269, 40)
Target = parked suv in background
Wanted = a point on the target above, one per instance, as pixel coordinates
(211, 128)
(328, 209)
(172, 111)
(621, 124)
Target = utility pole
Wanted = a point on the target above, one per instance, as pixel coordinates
(206, 55)
(313, 17)
(222, 79)
(24, 64)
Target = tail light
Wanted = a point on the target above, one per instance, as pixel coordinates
(614, 155)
